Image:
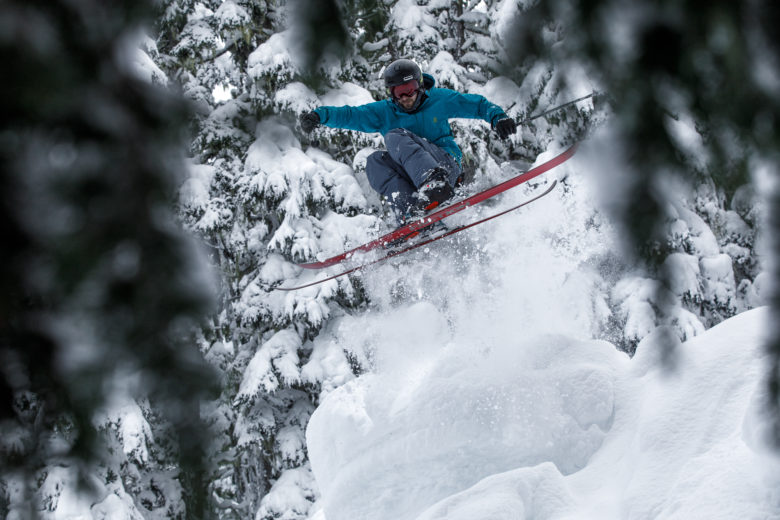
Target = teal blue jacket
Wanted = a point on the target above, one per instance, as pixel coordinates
(430, 120)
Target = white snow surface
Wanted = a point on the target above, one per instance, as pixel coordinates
(548, 426)
(488, 399)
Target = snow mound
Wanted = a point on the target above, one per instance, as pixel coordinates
(554, 427)
(434, 433)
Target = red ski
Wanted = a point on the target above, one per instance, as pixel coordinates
(416, 225)
(414, 244)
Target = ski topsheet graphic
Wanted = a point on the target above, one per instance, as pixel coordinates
(415, 226)
(417, 241)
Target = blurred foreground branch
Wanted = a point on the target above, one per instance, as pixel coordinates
(101, 289)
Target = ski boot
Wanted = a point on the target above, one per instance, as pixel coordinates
(435, 190)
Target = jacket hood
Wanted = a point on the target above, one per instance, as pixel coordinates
(428, 81)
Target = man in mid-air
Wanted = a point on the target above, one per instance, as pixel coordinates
(422, 163)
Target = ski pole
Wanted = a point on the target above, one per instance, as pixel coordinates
(537, 116)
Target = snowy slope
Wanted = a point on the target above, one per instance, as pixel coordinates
(563, 429)
(488, 399)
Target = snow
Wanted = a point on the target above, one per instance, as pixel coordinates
(637, 296)
(687, 139)
(274, 56)
(231, 15)
(288, 497)
(502, 91)
(136, 58)
(135, 433)
(194, 192)
(144, 68)
(548, 426)
(222, 93)
(718, 278)
(327, 365)
(347, 94)
(62, 497)
(413, 20)
(297, 97)
(446, 71)
(281, 352)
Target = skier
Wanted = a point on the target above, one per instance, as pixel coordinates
(422, 163)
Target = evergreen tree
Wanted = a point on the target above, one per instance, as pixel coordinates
(257, 199)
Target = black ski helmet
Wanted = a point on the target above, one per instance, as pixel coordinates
(401, 71)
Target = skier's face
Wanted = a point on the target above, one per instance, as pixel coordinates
(406, 94)
(408, 101)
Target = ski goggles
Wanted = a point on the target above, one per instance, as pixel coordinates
(408, 89)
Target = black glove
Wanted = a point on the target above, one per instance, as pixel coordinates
(505, 127)
(309, 121)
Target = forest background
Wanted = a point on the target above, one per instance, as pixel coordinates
(130, 371)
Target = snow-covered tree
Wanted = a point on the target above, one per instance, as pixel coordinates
(257, 199)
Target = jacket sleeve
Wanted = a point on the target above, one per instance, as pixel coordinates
(473, 106)
(364, 118)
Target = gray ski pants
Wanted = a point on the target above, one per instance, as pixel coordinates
(398, 172)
